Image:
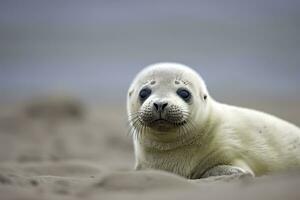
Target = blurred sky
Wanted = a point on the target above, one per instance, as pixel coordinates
(95, 48)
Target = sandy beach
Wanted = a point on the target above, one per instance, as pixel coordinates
(65, 149)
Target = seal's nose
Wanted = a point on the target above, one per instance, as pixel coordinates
(160, 106)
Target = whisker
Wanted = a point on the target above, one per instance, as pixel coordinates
(180, 120)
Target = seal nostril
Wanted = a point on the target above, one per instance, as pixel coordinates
(164, 105)
(156, 106)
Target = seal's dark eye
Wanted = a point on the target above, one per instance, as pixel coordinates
(184, 94)
(145, 93)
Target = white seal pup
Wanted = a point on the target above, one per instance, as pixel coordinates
(178, 127)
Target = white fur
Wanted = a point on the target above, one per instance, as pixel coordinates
(254, 141)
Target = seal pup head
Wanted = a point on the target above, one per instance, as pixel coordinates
(165, 99)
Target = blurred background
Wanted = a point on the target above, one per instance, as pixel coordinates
(94, 48)
(248, 51)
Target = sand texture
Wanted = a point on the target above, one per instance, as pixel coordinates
(63, 149)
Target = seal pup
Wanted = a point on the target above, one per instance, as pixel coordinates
(178, 127)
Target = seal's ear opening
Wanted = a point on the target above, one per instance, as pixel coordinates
(130, 92)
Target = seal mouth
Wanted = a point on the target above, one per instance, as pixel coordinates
(162, 124)
(160, 120)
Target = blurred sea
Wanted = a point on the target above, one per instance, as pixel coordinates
(93, 49)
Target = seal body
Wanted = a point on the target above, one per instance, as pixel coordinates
(178, 127)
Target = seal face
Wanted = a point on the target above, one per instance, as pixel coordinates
(162, 100)
(178, 127)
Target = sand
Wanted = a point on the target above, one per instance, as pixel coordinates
(60, 148)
